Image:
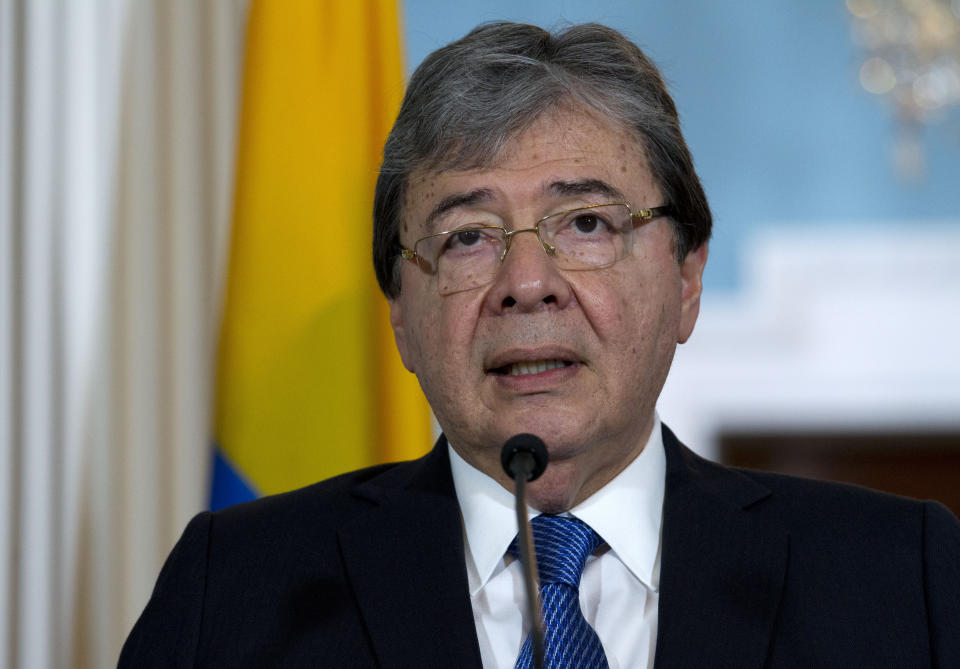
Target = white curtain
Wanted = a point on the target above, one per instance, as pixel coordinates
(117, 126)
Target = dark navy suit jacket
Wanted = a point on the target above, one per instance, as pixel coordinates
(367, 570)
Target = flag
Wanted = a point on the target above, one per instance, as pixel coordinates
(309, 383)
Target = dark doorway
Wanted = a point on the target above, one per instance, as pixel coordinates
(924, 465)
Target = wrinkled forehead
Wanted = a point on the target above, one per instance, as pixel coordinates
(566, 138)
(568, 121)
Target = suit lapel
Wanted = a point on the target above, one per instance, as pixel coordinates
(723, 566)
(405, 561)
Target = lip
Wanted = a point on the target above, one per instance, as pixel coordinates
(508, 357)
(534, 383)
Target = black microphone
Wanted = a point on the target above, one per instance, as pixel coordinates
(524, 454)
(524, 457)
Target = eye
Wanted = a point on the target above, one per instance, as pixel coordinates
(587, 223)
(469, 241)
(465, 238)
(601, 225)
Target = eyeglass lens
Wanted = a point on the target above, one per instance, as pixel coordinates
(586, 238)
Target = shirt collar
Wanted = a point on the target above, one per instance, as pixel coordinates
(489, 519)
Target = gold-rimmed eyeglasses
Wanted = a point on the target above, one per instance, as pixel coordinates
(584, 238)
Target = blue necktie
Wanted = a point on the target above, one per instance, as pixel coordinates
(563, 545)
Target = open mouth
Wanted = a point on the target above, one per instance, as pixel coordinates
(529, 367)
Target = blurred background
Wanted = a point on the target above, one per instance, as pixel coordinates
(188, 316)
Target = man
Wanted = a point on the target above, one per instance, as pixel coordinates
(541, 234)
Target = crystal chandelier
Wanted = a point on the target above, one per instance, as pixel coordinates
(913, 59)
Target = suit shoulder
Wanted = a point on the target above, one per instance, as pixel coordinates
(327, 503)
(818, 506)
(799, 502)
(821, 491)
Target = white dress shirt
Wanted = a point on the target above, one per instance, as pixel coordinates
(619, 590)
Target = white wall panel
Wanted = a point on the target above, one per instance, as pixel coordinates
(838, 327)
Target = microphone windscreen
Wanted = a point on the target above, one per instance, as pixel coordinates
(532, 446)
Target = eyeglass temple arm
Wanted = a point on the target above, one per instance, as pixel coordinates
(652, 212)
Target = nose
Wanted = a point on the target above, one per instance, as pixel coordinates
(527, 280)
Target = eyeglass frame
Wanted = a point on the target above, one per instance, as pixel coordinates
(643, 215)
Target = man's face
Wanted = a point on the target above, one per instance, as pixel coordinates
(609, 334)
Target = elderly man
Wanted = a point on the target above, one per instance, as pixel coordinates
(540, 234)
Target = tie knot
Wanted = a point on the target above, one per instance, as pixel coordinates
(563, 545)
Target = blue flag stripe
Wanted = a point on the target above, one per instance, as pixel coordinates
(228, 486)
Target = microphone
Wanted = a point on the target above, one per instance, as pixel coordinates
(524, 454)
(524, 458)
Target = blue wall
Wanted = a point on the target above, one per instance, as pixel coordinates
(781, 131)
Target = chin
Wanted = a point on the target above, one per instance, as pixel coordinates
(556, 491)
(564, 435)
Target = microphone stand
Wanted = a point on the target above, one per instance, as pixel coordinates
(528, 560)
(524, 458)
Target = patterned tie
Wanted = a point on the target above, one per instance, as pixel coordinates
(563, 545)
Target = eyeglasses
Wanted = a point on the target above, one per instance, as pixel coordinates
(577, 239)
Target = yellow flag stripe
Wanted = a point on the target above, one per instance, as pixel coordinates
(309, 383)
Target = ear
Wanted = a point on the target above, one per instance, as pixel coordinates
(399, 334)
(691, 281)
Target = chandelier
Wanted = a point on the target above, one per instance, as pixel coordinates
(912, 52)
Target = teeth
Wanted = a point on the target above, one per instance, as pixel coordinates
(534, 367)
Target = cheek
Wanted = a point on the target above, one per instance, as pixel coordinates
(618, 304)
(635, 314)
(445, 328)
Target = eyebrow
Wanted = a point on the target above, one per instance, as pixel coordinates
(564, 188)
(458, 200)
(586, 187)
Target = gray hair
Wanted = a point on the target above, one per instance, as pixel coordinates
(468, 99)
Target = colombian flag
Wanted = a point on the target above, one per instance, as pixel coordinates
(309, 383)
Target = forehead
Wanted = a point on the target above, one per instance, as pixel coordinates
(561, 146)
(568, 131)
